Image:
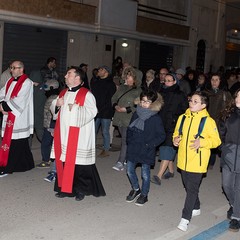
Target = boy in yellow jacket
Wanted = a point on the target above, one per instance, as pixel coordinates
(195, 134)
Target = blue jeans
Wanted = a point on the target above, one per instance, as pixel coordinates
(145, 174)
(105, 124)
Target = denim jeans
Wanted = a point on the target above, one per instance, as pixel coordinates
(145, 174)
(46, 145)
(105, 124)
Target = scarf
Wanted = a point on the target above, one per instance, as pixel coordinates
(143, 115)
(7, 137)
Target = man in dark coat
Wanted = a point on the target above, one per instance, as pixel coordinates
(103, 90)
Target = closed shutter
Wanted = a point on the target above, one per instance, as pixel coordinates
(33, 45)
(154, 56)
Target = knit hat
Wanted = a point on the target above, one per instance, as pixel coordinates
(180, 71)
(106, 68)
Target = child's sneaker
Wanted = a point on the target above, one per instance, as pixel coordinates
(51, 177)
(43, 165)
(196, 212)
(133, 195)
(183, 225)
(119, 166)
(141, 200)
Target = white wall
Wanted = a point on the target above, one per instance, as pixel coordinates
(89, 49)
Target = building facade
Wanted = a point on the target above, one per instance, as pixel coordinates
(169, 32)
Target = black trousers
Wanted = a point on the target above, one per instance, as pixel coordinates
(191, 182)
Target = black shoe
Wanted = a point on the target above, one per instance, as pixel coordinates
(229, 213)
(60, 195)
(133, 195)
(168, 175)
(141, 200)
(234, 225)
(155, 179)
(79, 197)
(63, 195)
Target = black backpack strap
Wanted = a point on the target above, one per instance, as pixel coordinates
(181, 125)
(201, 126)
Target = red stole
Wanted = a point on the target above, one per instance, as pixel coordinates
(7, 137)
(66, 173)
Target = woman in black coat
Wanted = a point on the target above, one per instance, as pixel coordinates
(175, 103)
(230, 159)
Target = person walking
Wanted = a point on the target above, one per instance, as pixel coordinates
(194, 144)
(124, 106)
(16, 105)
(175, 104)
(103, 90)
(144, 134)
(74, 140)
(230, 159)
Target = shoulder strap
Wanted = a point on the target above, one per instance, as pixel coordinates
(181, 125)
(124, 94)
(201, 126)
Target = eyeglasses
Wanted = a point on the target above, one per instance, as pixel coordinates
(147, 101)
(168, 80)
(194, 102)
(13, 68)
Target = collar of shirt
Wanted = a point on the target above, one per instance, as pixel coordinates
(74, 89)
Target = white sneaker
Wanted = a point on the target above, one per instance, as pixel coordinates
(119, 166)
(183, 225)
(2, 174)
(196, 212)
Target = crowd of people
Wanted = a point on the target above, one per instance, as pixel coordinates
(173, 114)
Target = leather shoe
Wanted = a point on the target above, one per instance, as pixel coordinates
(60, 195)
(79, 197)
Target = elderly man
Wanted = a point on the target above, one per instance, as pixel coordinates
(16, 104)
(74, 140)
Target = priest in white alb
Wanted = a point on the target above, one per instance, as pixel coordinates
(16, 105)
(74, 140)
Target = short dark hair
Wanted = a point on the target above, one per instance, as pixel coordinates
(79, 72)
(203, 96)
(151, 95)
(51, 59)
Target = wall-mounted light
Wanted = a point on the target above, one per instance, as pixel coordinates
(124, 44)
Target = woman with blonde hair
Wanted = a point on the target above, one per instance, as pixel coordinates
(124, 106)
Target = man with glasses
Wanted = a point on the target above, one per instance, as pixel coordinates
(162, 74)
(16, 105)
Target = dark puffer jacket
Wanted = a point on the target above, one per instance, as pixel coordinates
(230, 135)
(175, 104)
(141, 145)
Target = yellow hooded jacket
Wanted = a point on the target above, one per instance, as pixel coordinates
(191, 160)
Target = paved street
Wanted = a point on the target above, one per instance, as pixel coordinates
(29, 209)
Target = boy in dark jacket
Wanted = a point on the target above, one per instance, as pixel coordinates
(144, 134)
